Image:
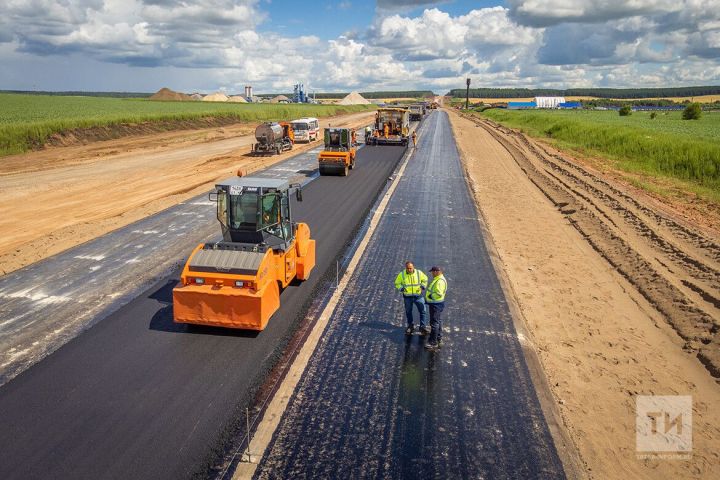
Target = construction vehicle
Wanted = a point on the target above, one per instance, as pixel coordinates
(236, 282)
(392, 127)
(273, 138)
(306, 129)
(416, 112)
(338, 158)
(433, 105)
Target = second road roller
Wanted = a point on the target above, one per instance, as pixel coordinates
(338, 157)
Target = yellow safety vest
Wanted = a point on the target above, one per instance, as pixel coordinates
(410, 283)
(436, 291)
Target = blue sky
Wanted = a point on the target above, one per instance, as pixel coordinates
(222, 45)
(329, 20)
(326, 20)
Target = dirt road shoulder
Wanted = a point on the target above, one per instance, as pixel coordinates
(61, 197)
(600, 342)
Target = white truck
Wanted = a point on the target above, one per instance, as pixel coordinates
(306, 129)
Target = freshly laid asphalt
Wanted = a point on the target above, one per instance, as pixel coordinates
(48, 303)
(373, 403)
(136, 396)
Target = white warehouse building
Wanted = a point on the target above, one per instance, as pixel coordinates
(549, 102)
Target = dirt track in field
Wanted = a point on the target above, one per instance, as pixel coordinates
(619, 295)
(60, 197)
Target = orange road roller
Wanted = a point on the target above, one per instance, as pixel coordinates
(338, 157)
(236, 282)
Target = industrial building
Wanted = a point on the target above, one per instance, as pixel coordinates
(544, 102)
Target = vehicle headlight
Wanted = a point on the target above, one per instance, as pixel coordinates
(200, 281)
(239, 283)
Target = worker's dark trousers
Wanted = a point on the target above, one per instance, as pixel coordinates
(419, 302)
(436, 321)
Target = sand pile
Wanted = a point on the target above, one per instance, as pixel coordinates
(237, 99)
(196, 96)
(169, 95)
(279, 98)
(215, 97)
(354, 98)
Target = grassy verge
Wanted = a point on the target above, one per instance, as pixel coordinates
(680, 153)
(29, 120)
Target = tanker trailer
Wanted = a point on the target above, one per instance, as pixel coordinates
(272, 138)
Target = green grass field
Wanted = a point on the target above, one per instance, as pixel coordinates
(667, 146)
(28, 120)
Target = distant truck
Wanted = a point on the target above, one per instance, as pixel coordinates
(306, 129)
(416, 112)
(273, 138)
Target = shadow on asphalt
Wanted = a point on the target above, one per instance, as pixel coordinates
(392, 332)
(164, 293)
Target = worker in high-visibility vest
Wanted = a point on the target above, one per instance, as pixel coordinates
(435, 298)
(411, 282)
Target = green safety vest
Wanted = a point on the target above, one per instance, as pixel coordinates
(410, 283)
(436, 291)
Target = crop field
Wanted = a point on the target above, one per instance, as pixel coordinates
(28, 120)
(686, 150)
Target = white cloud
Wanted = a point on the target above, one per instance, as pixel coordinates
(128, 31)
(348, 63)
(552, 12)
(218, 44)
(663, 34)
(433, 35)
(494, 27)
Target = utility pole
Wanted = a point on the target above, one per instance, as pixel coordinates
(467, 94)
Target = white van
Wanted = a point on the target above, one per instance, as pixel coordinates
(306, 129)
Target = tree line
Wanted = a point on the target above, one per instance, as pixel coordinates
(619, 93)
(71, 93)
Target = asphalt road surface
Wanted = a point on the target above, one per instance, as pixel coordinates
(46, 304)
(136, 396)
(373, 403)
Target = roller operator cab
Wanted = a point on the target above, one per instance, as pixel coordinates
(236, 282)
(338, 157)
(392, 127)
